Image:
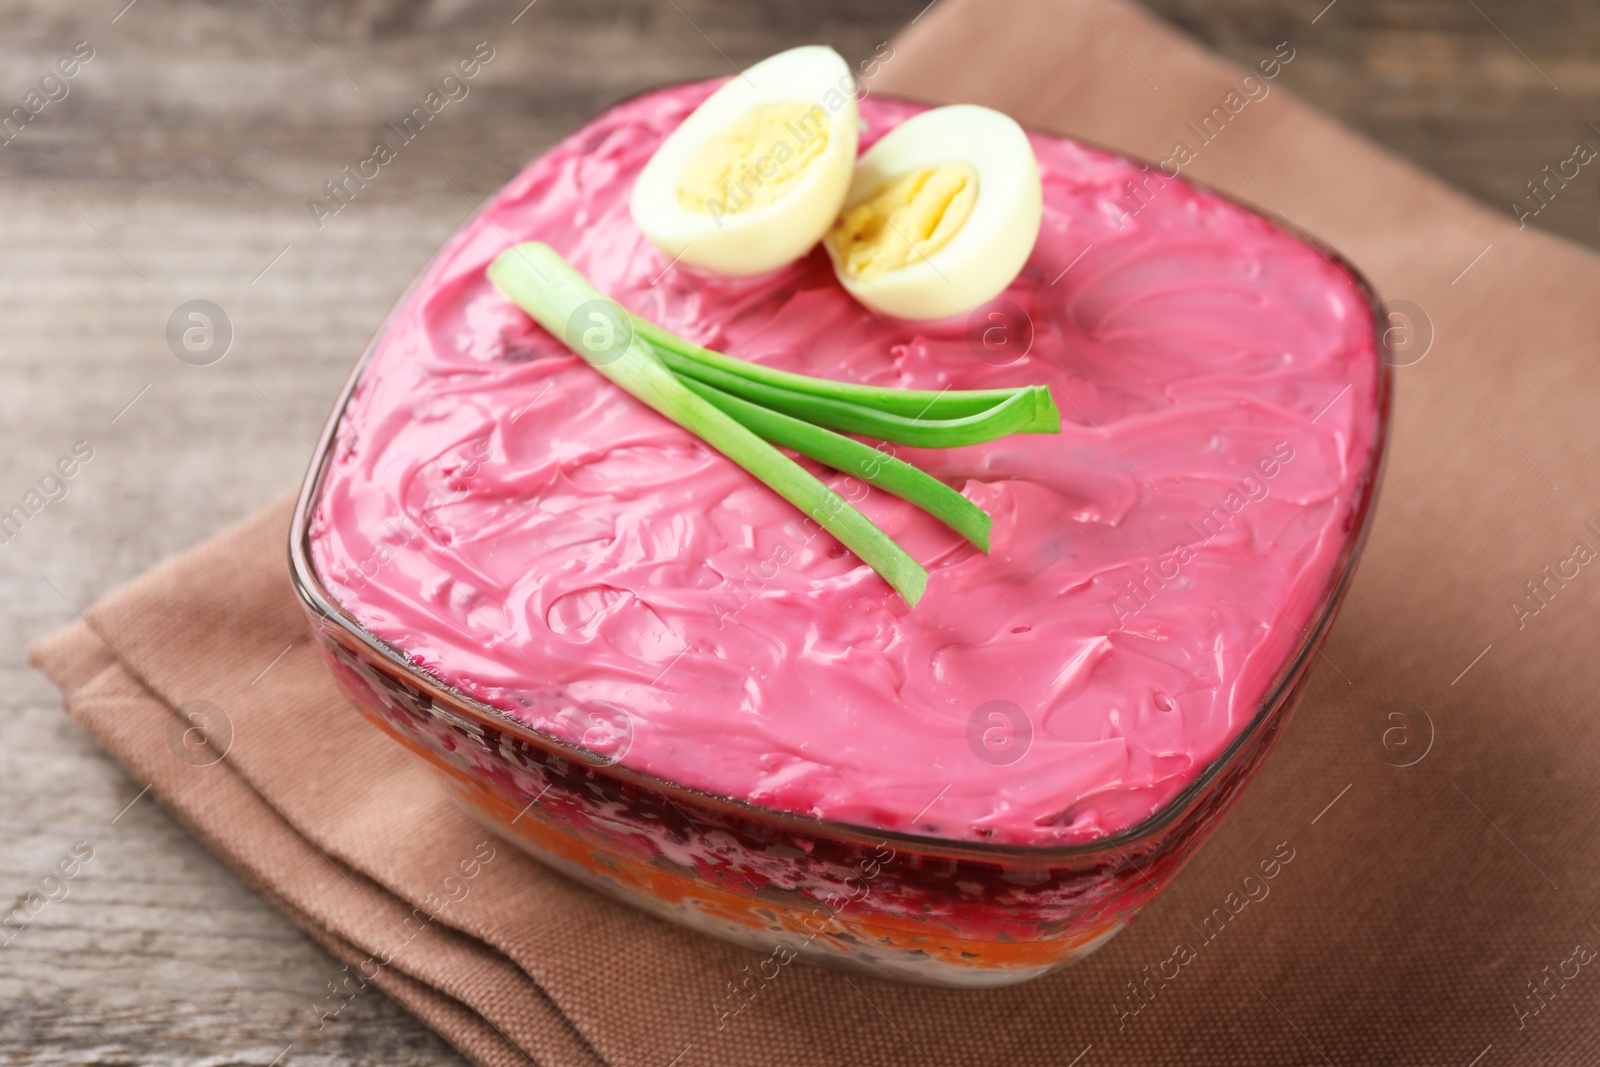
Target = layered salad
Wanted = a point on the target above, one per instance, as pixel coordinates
(883, 464)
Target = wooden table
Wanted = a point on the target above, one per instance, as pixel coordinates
(177, 167)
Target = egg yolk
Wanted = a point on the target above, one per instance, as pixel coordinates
(905, 220)
(755, 160)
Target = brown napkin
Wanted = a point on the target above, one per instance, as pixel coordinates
(1436, 793)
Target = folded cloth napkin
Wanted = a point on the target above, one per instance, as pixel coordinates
(1430, 818)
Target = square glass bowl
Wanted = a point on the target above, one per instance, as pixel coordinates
(896, 905)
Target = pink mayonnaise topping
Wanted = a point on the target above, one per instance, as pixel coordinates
(532, 535)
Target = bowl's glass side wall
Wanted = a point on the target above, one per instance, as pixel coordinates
(943, 913)
(890, 904)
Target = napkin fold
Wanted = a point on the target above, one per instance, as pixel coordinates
(1434, 798)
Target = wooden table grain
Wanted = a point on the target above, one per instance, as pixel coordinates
(176, 163)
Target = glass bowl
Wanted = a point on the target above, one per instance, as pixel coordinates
(793, 887)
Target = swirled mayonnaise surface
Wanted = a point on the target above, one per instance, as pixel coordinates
(533, 536)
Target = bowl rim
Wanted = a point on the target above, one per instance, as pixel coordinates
(315, 597)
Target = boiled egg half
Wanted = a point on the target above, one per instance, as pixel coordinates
(753, 178)
(943, 213)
